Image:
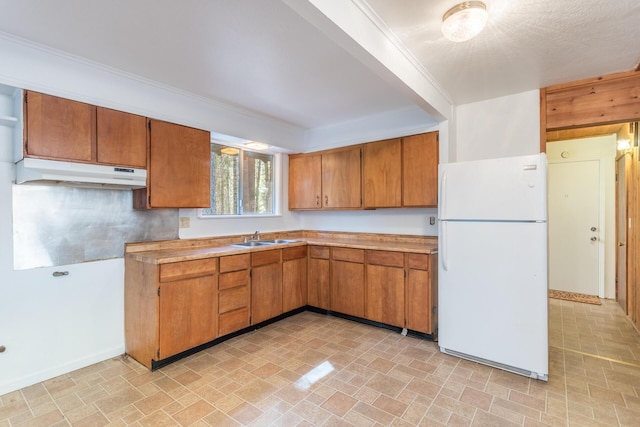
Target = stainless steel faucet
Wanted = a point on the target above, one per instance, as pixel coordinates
(256, 235)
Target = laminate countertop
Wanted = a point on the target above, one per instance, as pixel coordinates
(187, 250)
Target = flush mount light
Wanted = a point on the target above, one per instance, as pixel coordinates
(464, 21)
(256, 145)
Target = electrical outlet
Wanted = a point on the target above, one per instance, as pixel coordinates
(185, 222)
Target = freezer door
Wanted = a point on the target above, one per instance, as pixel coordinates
(510, 189)
(492, 292)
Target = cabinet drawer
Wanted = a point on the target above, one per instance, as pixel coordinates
(232, 299)
(187, 269)
(234, 262)
(347, 254)
(233, 279)
(321, 252)
(418, 261)
(294, 253)
(233, 321)
(265, 257)
(391, 259)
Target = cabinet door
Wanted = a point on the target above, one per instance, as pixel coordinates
(58, 128)
(382, 174)
(266, 286)
(294, 278)
(341, 179)
(188, 314)
(420, 170)
(121, 138)
(347, 281)
(420, 306)
(385, 287)
(318, 277)
(305, 185)
(179, 172)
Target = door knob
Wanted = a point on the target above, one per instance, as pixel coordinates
(594, 238)
(593, 229)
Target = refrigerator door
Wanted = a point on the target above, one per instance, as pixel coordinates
(507, 189)
(492, 294)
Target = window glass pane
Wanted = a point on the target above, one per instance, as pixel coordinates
(257, 188)
(225, 181)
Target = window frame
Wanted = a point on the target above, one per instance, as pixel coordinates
(277, 185)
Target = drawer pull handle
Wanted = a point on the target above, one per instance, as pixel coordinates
(60, 273)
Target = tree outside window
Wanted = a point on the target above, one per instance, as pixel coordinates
(242, 182)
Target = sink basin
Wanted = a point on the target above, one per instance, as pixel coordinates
(252, 243)
(275, 241)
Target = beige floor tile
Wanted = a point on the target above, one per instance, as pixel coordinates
(379, 378)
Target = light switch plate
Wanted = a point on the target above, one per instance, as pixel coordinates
(185, 222)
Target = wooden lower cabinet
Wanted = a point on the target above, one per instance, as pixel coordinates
(386, 287)
(347, 281)
(169, 308)
(422, 293)
(266, 285)
(234, 293)
(318, 281)
(294, 278)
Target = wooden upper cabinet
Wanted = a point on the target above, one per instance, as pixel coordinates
(327, 180)
(62, 129)
(121, 138)
(382, 174)
(58, 128)
(305, 182)
(341, 179)
(179, 168)
(420, 170)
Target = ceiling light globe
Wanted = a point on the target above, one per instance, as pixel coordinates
(464, 21)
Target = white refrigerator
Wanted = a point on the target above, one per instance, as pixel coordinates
(492, 271)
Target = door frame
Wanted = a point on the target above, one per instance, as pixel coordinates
(606, 228)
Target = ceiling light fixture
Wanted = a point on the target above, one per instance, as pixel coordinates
(464, 21)
(256, 145)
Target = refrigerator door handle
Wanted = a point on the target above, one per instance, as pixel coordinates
(443, 196)
(443, 243)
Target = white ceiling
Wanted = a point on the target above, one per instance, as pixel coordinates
(262, 56)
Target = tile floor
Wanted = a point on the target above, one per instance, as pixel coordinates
(312, 369)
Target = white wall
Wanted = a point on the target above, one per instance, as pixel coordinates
(498, 127)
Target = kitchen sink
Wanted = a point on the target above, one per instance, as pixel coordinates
(275, 241)
(253, 243)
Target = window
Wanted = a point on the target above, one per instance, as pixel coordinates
(242, 182)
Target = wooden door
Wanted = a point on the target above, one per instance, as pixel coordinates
(179, 173)
(347, 281)
(121, 138)
(305, 185)
(419, 294)
(341, 179)
(58, 128)
(420, 170)
(318, 279)
(382, 174)
(385, 287)
(623, 171)
(294, 278)
(266, 285)
(188, 314)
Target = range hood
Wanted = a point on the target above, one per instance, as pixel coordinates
(43, 171)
